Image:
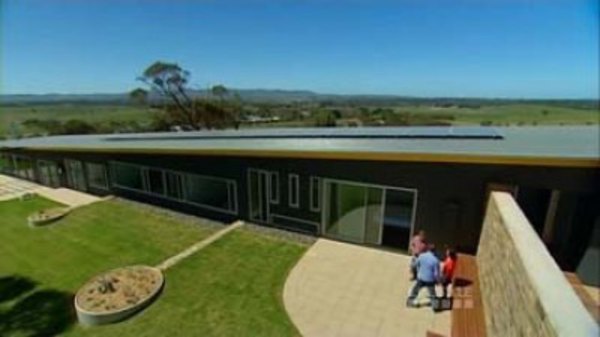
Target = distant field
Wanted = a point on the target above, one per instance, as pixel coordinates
(513, 114)
(12, 117)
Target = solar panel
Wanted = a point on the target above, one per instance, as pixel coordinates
(425, 132)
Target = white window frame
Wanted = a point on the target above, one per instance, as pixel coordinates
(274, 183)
(315, 182)
(231, 188)
(294, 179)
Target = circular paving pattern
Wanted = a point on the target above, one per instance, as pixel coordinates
(117, 294)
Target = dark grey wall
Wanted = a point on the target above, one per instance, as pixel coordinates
(450, 196)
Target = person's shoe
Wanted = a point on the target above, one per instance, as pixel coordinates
(411, 304)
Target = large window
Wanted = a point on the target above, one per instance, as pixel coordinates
(315, 194)
(48, 173)
(6, 163)
(24, 167)
(97, 177)
(294, 190)
(127, 175)
(173, 185)
(211, 192)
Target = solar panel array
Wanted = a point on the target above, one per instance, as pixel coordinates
(334, 133)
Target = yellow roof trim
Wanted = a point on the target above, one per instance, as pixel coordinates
(355, 155)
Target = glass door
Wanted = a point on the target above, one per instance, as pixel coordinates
(353, 212)
(398, 217)
(75, 175)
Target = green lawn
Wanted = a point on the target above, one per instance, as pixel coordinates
(231, 288)
(12, 117)
(513, 114)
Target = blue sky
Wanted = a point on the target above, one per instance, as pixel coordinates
(493, 48)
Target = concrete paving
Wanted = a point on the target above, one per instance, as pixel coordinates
(173, 260)
(11, 188)
(339, 289)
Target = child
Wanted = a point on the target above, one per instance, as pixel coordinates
(448, 266)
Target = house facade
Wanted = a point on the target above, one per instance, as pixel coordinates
(374, 187)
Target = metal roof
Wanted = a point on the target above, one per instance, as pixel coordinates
(567, 142)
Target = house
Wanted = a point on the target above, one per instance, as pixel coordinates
(371, 186)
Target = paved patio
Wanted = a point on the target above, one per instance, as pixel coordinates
(339, 289)
(11, 188)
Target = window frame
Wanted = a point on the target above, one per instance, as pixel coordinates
(294, 181)
(90, 183)
(315, 182)
(274, 186)
(231, 184)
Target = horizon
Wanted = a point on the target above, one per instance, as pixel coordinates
(400, 96)
(513, 50)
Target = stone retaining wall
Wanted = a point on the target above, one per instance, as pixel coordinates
(523, 290)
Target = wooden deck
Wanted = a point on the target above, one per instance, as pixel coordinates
(467, 313)
(592, 305)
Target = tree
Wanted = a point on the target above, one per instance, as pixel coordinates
(219, 91)
(183, 110)
(139, 96)
(170, 80)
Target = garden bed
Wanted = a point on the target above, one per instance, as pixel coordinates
(117, 294)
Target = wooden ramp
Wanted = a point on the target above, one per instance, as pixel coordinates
(467, 313)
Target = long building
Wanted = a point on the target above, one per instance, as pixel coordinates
(371, 186)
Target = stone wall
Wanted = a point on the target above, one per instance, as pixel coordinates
(524, 292)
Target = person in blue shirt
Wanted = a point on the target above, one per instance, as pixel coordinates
(428, 274)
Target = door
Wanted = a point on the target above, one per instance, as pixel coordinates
(368, 214)
(75, 175)
(398, 217)
(258, 190)
(352, 212)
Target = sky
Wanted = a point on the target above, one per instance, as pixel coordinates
(450, 48)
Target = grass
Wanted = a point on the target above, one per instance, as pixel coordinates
(513, 114)
(12, 116)
(231, 288)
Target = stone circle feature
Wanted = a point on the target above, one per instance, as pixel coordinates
(47, 216)
(117, 294)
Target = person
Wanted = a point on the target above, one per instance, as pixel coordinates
(428, 273)
(417, 245)
(448, 267)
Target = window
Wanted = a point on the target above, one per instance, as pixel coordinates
(315, 194)
(211, 192)
(274, 193)
(6, 163)
(173, 185)
(96, 174)
(24, 167)
(127, 175)
(293, 190)
(154, 181)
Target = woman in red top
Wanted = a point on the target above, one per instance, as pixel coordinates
(448, 266)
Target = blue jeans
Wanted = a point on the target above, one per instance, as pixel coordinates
(414, 292)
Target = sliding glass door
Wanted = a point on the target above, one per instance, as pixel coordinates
(353, 212)
(368, 214)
